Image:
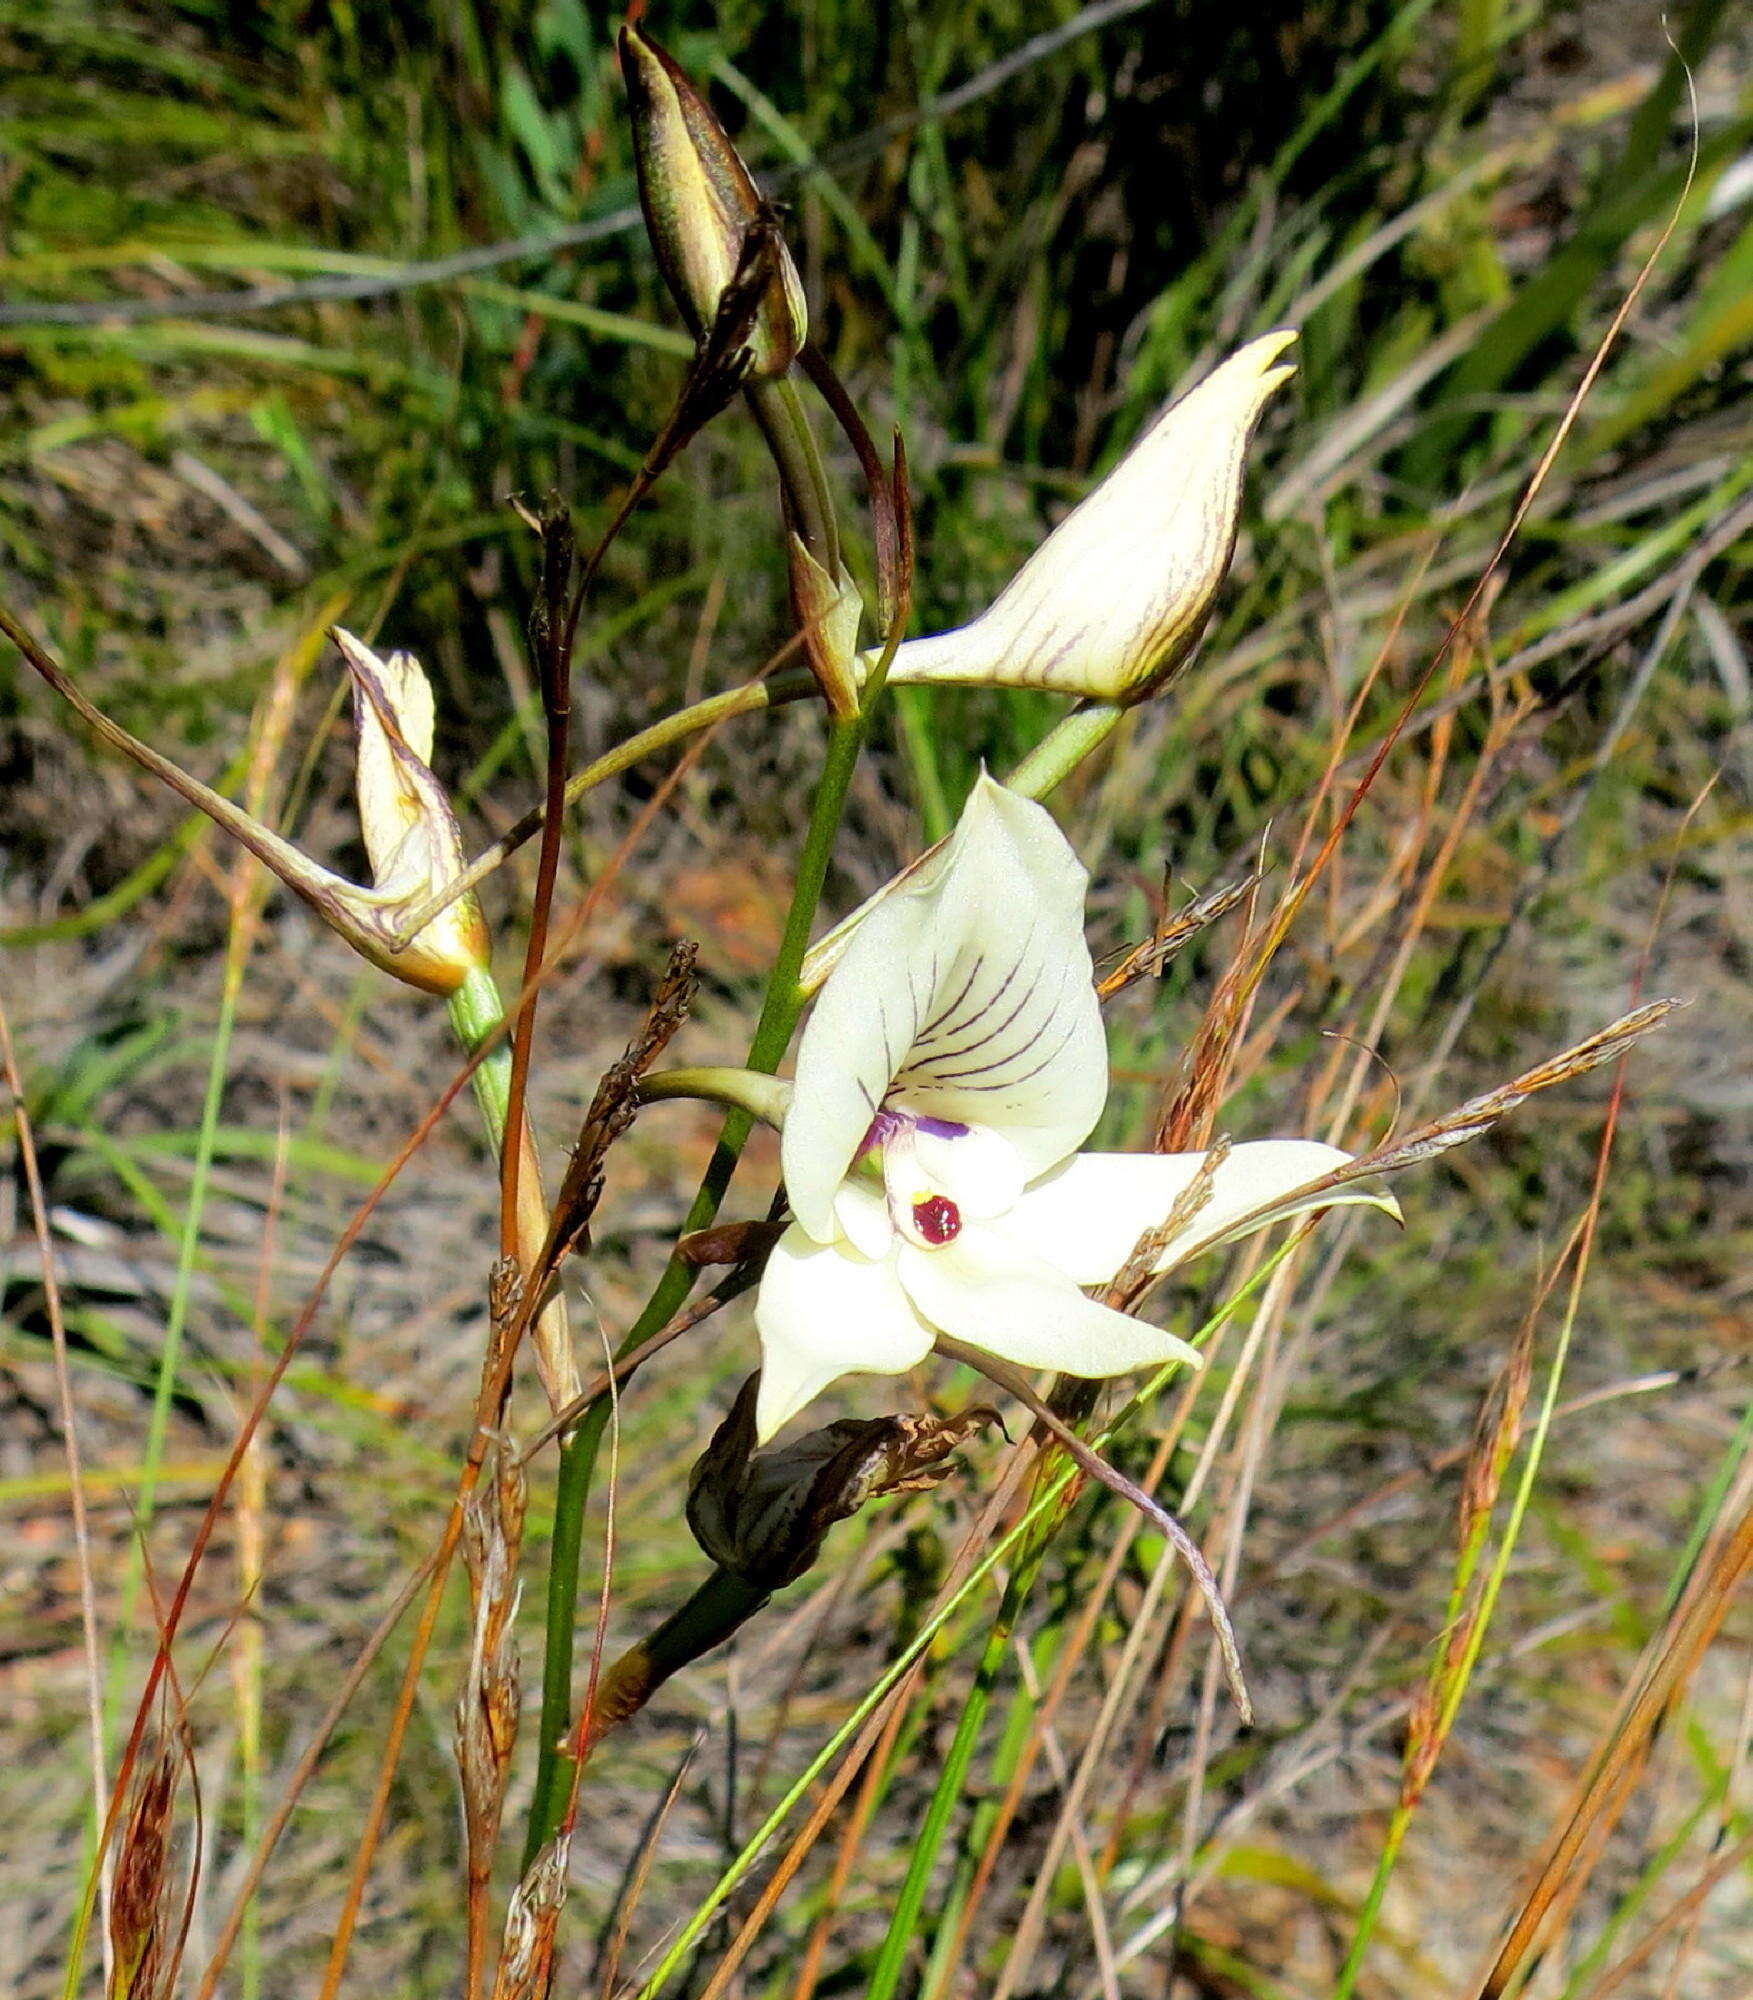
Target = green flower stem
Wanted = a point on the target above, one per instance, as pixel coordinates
(578, 1452)
(778, 409)
(936, 1980)
(716, 1611)
(904, 1925)
(477, 1014)
(764, 1097)
(1064, 747)
(794, 685)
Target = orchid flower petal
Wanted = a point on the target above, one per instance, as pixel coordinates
(966, 996)
(863, 1218)
(983, 1290)
(394, 723)
(1088, 1217)
(823, 1313)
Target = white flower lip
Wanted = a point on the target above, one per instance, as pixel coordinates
(954, 1064)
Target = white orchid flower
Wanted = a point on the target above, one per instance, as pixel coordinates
(1111, 605)
(953, 1065)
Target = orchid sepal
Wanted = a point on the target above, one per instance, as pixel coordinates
(442, 955)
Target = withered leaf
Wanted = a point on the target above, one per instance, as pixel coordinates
(764, 1515)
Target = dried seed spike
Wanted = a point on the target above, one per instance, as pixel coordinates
(1498, 1428)
(526, 1964)
(141, 1928)
(1139, 1270)
(1173, 933)
(1479, 1114)
(504, 1290)
(613, 1108)
(490, 1700)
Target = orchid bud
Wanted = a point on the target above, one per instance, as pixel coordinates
(764, 1515)
(411, 835)
(700, 204)
(828, 610)
(1111, 605)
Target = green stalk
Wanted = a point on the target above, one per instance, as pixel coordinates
(717, 1611)
(1075, 736)
(785, 428)
(904, 1923)
(915, 710)
(793, 685)
(937, 1978)
(477, 1015)
(1064, 747)
(779, 1014)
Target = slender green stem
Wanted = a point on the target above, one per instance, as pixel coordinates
(716, 1611)
(176, 1317)
(904, 1925)
(785, 427)
(477, 1015)
(578, 1453)
(1064, 747)
(188, 1249)
(915, 709)
(748, 699)
(938, 1977)
(762, 1096)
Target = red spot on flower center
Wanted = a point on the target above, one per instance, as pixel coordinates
(937, 1219)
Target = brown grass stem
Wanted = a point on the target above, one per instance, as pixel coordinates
(39, 1213)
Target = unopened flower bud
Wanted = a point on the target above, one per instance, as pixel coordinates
(411, 834)
(1111, 605)
(828, 610)
(700, 204)
(410, 831)
(764, 1515)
